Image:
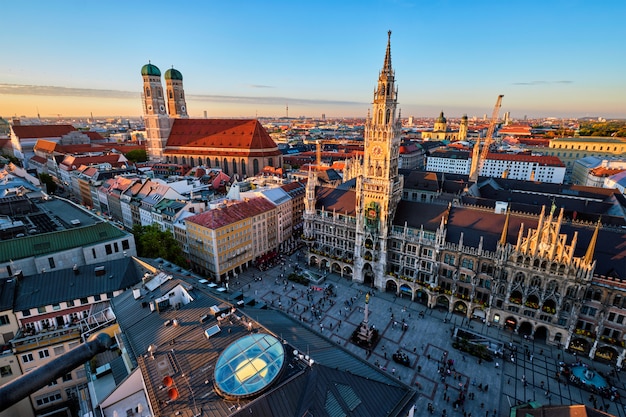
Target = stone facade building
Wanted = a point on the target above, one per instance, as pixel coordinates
(541, 271)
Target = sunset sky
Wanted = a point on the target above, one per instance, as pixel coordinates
(255, 58)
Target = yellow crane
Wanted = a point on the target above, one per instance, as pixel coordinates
(478, 156)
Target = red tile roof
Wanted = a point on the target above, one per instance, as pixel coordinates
(113, 159)
(45, 146)
(605, 172)
(38, 159)
(94, 135)
(42, 131)
(232, 213)
(222, 135)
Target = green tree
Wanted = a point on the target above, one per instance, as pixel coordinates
(46, 179)
(137, 155)
(151, 242)
(13, 159)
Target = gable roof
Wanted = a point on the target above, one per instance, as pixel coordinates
(41, 131)
(231, 213)
(225, 135)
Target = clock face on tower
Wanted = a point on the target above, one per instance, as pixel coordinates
(377, 150)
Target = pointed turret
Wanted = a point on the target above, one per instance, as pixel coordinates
(592, 245)
(387, 65)
(505, 228)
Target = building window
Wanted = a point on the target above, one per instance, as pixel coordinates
(97, 297)
(27, 358)
(70, 303)
(48, 398)
(84, 300)
(67, 377)
(51, 262)
(467, 263)
(125, 244)
(5, 371)
(93, 252)
(108, 249)
(44, 354)
(41, 310)
(4, 320)
(59, 350)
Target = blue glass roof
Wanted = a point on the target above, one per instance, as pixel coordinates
(249, 365)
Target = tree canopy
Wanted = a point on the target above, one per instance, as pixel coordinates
(137, 155)
(604, 129)
(151, 242)
(46, 179)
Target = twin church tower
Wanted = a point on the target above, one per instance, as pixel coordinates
(160, 108)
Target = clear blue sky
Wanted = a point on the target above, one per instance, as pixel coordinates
(247, 58)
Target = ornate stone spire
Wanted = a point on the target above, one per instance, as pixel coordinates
(505, 228)
(592, 245)
(387, 65)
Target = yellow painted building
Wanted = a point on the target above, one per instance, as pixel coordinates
(224, 241)
(569, 150)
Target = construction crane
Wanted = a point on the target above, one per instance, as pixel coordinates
(478, 156)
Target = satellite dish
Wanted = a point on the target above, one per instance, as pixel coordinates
(172, 393)
(168, 381)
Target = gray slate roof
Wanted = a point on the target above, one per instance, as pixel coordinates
(63, 285)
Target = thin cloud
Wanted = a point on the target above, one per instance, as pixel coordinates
(46, 90)
(269, 100)
(543, 82)
(260, 86)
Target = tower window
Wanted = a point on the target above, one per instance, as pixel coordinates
(147, 91)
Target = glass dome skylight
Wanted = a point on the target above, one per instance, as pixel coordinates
(249, 365)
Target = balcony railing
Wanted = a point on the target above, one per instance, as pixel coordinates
(28, 340)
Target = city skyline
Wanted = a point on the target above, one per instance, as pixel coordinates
(549, 60)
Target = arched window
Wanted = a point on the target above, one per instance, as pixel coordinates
(519, 278)
(535, 282)
(617, 300)
(199, 160)
(243, 167)
(170, 93)
(159, 92)
(388, 116)
(255, 166)
(191, 161)
(147, 91)
(175, 159)
(382, 89)
(234, 166)
(597, 295)
(184, 160)
(270, 162)
(217, 163)
(225, 166)
(379, 119)
(553, 286)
